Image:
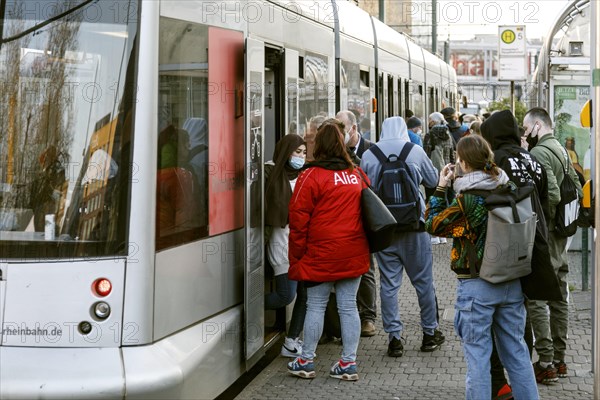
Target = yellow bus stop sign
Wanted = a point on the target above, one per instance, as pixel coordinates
(508, 36)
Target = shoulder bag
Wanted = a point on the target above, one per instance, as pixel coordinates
(378, 221)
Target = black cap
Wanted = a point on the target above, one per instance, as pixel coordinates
(448, 112)
(413, 122)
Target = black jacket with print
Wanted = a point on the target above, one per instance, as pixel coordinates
(522, 168)
(502, 133)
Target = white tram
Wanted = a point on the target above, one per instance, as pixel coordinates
(132, 139)
(561, 82)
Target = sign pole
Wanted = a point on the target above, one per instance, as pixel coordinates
(512, 97)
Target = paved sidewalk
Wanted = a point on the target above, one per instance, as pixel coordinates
(416, 375)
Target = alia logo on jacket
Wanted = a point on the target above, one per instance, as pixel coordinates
(344, 178)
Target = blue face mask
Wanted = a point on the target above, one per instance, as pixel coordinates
(296, 162)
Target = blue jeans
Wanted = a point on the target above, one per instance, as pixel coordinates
(410, 251)
(318, 297)
(285, 291)
(483, 308)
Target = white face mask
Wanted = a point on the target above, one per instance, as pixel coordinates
(347, 136)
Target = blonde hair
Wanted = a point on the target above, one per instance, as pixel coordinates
(476, 127)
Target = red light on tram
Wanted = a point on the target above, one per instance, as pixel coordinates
(102, 287)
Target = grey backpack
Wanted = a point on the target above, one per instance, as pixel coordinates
(510, 234)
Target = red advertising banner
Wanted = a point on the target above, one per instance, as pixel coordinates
(226, 130)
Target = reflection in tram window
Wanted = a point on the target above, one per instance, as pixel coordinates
(182, 188)
(417, 100)
(358, 93)
(314, 90)
(177, 192)
(66, 106)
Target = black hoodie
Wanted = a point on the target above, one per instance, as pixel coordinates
(502, 133)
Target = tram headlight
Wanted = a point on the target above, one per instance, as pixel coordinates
(101, 310)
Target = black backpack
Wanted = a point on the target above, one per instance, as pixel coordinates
(397, 189)
(567, 210)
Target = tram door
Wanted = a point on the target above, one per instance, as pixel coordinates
(381, 105)
(3, 273)
(385, 105)
(280, 118)
(290, 106)
(292, 71)
(254, 314)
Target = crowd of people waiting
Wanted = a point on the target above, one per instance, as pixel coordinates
(317, 245)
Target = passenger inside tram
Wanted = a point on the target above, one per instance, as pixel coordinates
(309, 136)
(365, 128)
(177, 207)
(198, 161)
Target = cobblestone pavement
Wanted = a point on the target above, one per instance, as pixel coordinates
(416, 375)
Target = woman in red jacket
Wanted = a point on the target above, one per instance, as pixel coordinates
(328, 247)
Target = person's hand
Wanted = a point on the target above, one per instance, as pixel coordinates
(446, 175)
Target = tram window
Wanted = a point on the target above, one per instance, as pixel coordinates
(380, 106)
(407, 95)
(182, 176)
(359, 95)
(364, 78)
(314, 90)
(400, 102)
(65, 146)
(417, 101)
(431, 101)
(390, 96)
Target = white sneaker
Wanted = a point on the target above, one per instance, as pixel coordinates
(291, 347)
(443, 241)
(435, 240)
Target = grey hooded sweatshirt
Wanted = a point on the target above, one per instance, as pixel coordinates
(394, 136)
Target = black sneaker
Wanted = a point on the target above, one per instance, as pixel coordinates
(395, 348)
(432, 342)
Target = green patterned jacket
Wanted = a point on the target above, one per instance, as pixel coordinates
(464, 219)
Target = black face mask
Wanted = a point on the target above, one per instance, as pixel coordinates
(532, 141)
